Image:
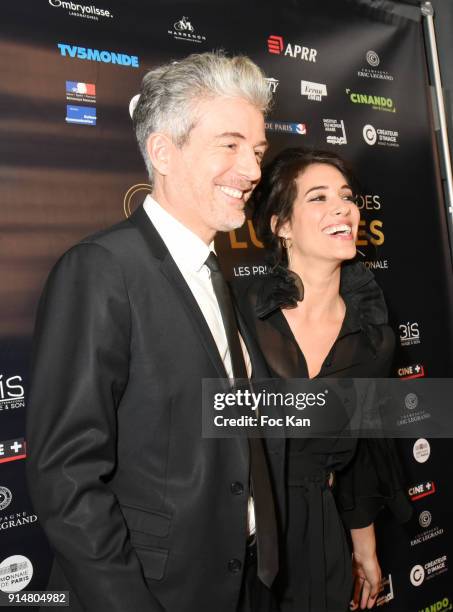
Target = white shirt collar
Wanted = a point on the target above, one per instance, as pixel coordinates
(187, 249)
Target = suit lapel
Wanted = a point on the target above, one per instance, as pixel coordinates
(174, 276)
(172, 273)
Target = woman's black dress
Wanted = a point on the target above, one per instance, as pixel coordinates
(315, 569)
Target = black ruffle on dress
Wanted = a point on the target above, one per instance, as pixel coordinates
(315, 570)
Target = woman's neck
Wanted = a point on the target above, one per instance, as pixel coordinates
(321, 289)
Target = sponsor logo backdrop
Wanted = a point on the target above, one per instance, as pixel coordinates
(344, 76)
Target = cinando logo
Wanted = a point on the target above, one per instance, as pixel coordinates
(376, 102)
(81, 10)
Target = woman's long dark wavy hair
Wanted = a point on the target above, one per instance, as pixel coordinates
(277, 191)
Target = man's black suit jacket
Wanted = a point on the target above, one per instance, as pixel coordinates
(142, 512)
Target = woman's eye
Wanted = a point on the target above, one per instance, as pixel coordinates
(350, 198)
(231, 145)
(318, 198)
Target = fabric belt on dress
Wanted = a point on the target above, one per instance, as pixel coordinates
(316, 485)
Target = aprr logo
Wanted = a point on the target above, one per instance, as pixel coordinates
(275, 44)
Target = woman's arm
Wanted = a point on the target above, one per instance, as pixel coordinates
(365, 567)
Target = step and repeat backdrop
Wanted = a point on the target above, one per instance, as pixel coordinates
(344, 76)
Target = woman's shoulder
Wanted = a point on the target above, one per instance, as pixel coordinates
(361, 292)
(279, 288)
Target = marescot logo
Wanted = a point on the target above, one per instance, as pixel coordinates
(376, 102)
(184, 30)
(94, 55)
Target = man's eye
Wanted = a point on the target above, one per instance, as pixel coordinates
(231, 145)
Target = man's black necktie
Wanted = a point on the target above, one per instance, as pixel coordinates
(266, 525)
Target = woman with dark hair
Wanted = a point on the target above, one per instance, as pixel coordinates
(318, 314)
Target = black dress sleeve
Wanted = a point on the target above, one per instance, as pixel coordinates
(371, 481)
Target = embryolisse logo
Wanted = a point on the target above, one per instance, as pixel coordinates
(82, 10)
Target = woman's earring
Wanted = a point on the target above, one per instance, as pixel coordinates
(287, 245)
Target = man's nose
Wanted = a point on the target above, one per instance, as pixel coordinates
(249, 166)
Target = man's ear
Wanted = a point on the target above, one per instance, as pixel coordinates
(160, 147)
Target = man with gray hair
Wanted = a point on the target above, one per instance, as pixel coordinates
(144, 514)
